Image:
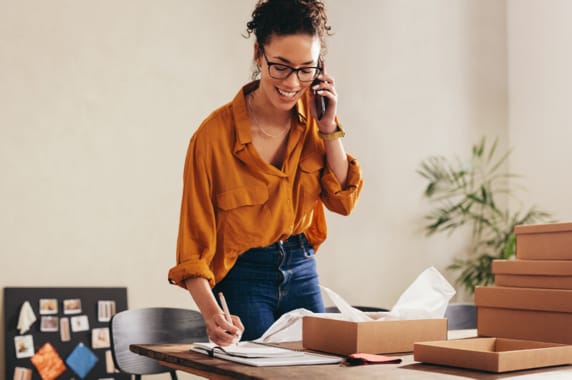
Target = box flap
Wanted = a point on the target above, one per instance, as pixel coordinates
(556, 300)
(533, 267)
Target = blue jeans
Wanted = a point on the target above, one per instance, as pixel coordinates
(270, 281)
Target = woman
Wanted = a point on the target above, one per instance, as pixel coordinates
(258, 173)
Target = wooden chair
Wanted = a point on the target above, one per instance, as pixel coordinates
(460, 315)
(334, 309)
(152, 325)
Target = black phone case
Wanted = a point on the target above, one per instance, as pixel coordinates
(321, 102)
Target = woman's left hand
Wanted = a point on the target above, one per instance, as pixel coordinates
(327, 89)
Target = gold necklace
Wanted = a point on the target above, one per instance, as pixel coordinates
(258, 124)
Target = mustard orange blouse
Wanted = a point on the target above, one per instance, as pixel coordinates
(234, 201)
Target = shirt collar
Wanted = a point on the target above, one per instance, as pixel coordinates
(301, 110)
(242, 122)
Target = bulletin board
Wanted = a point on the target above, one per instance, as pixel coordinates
(85, 350)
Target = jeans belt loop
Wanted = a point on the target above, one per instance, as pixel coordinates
(303, 246)
(280, 247)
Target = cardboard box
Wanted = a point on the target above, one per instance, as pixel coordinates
(558, 300)
(542, 326)
(544, 241)
(551, 274)
(524, 313)
(493, 354)
(374, 337)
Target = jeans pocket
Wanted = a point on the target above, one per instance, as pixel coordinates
(309, 252)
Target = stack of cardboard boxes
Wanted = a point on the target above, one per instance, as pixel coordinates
(532, 295)
(524, 321)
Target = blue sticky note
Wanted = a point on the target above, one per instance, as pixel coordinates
(81, 360)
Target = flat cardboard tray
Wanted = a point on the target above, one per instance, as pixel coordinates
(493, 354)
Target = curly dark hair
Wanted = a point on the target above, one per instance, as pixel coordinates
(285, 17)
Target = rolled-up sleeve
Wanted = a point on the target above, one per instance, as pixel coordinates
(336, 198)
(196, 241)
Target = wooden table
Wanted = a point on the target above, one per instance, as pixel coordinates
(179, 357)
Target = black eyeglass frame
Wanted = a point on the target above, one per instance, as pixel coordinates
(292, 69)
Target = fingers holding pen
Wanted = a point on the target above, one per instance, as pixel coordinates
(235, 328)
(237, 323)
(223, 333)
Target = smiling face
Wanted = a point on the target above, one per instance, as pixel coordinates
(295, 50)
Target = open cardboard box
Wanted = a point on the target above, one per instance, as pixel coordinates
(551, 241)
(336, 336)
(547, 274)
(524, 313)
(493, 354)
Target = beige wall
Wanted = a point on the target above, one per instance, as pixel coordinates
(99, 98)
(416, 78)
(540, 87)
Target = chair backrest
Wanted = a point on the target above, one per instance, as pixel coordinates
(334, 309)
(152, 325)
(461, 316)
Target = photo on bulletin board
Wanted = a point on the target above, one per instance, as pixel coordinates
(22, 373)
(65, 329)
(100, 338)
(48, 306)
(49, 324)
(72, 306)
(105, 310)
(79, 323)
(24, 346)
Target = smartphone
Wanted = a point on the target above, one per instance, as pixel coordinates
(321, 101)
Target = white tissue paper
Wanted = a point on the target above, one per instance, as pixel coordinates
(427, 297)
(288, 328)
(26, 318)
(348, 312)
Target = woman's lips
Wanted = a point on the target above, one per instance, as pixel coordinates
(286, 94)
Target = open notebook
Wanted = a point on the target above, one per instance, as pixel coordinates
(262, 355)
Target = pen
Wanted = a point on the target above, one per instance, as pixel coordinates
(225, 307)
(227, 314)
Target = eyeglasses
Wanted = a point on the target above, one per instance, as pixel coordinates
(280, 71)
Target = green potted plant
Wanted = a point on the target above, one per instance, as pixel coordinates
(465, 194)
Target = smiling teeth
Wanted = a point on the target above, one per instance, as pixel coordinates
(287, 94)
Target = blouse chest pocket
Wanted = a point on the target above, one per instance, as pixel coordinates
(312, 164)
(310, 185)
(243, 196)
(240, 212)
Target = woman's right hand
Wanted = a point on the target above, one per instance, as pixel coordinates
(221, 332)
